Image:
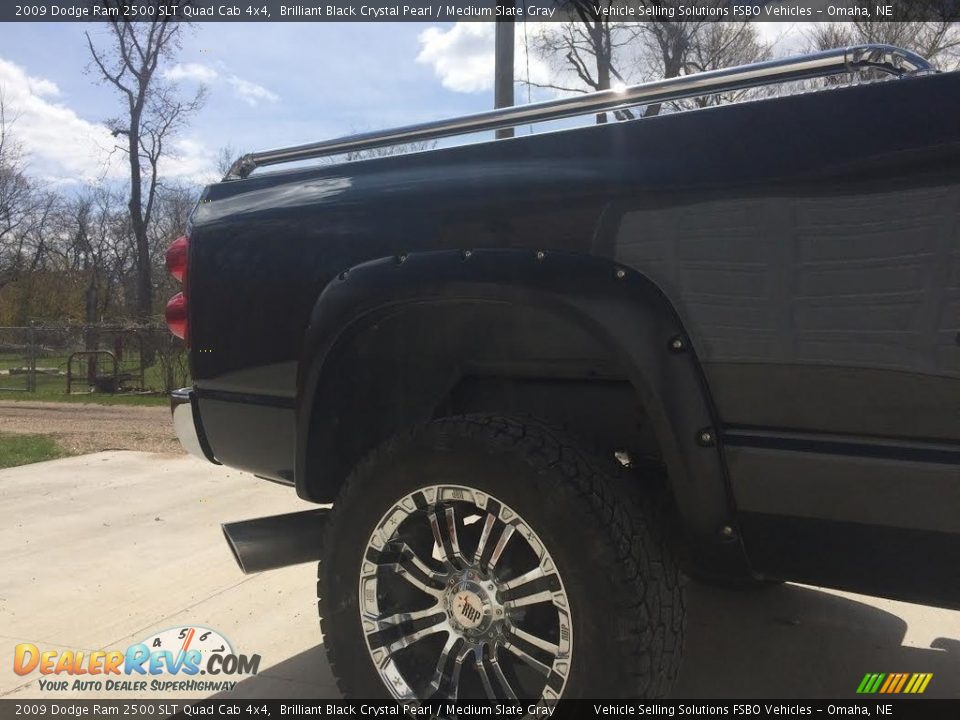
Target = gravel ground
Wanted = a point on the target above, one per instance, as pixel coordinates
(85, 428)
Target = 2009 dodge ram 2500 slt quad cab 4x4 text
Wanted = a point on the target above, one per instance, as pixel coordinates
(539, 378)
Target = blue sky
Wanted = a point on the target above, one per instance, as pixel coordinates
(269, 85)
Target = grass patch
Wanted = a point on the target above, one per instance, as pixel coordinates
(53, 387)
(95, 398)
(25, 449)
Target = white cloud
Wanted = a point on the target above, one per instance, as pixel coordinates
(250, 92)
(196, 72)
(787, 38)
(60, 144)
(463, 56)
(191, 160)
(245, 90)
(64, 149)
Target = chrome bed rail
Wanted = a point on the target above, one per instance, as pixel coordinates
(883, 58)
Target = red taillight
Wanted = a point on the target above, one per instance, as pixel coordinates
(176, 312)
(177, 258)
(177, 315)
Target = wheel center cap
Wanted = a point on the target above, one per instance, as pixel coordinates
(468, 609)
(470, 606)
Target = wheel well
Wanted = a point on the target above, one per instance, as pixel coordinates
(606, 412)
(435, 360)
(391, 340)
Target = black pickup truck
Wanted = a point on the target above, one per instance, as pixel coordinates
(541, 378)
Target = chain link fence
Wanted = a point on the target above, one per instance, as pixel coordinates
(52, 360)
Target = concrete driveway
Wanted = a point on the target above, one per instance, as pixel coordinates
(104, 550)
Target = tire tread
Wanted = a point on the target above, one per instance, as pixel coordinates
(627, 513)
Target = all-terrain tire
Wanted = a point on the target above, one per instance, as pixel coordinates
(600, 526)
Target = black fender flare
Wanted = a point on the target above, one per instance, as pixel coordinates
(620, 307)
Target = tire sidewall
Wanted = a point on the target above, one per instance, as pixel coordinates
(540, 495)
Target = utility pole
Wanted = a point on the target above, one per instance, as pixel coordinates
(503, 61)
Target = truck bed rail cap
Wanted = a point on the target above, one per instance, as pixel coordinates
(883, 58)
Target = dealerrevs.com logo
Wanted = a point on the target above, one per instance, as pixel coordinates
(170, 661)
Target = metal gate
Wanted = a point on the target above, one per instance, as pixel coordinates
(60, 359)
(17, 359)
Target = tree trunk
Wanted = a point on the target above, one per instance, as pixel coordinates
(139, 227)
(92, 301)
(673, 56)
(91, 334)
(603, 52)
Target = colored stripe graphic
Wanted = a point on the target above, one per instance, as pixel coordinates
(870, 683)
(919, 683)
(894, 683)
(891, 679)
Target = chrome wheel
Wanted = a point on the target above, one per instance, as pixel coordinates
(459, 598)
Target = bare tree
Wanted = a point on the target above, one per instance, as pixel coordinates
(96, 232)
(670, 48)
(585, 47)
(32, 243)
(390, 150)
(175, 203)
(24, 210)
(129, 58)
(226, 157)
(936, 40)
(716, 45)
(75, 254)
(591, 53)
(15, 196)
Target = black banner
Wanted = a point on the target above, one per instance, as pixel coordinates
(478, 10)
(876, 707)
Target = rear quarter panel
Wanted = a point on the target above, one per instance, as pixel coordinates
(810, 245)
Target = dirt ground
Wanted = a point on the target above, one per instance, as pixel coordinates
(85, 428)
